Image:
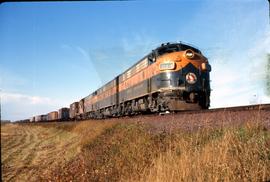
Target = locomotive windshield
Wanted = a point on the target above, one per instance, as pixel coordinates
(185, 47)
(174, 48)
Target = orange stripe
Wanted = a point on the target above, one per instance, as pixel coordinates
(152, 70)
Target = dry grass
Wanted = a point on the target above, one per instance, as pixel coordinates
(121, 151)
(30, 151)
(89, 130)
(134, 151)
(232, 154)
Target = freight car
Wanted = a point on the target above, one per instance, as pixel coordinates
(41, 118)
(173, 77)
(32, 119)
(18, 121)
(52, 116)
(74, 110)
(44, 117)
(38, 118)
(63, 114)
(81, 109)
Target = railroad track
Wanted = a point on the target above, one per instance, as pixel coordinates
(235, 108)
(265, 107)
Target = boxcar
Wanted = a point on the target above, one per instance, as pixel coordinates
(38, 118)
(81, 109)
(53, 116)
(32, 119)
(44, 117)
(74, 110)
(63, 114)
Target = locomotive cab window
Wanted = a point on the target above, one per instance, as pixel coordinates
(167, 49)
(186, 47)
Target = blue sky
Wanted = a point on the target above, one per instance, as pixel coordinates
(54, 53)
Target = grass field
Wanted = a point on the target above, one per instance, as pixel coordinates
(139, 149)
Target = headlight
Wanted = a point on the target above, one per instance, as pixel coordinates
(191, 78)
(189, 54)
(167, 66)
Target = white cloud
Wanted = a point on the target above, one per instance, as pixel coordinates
(257, 55)
(15, 97)
(241, 81)
(17, 106)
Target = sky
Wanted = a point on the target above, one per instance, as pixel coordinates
(55, 53)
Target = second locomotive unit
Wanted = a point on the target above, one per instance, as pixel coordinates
(173, 77)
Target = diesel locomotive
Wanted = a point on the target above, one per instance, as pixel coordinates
(173, 77)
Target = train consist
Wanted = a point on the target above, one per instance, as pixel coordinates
(173, 77)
